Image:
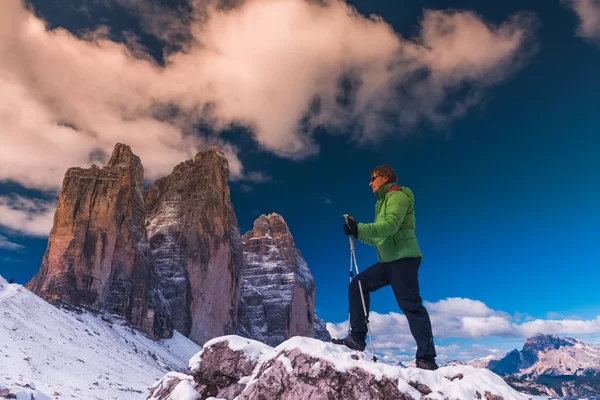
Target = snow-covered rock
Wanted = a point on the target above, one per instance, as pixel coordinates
(232, 367)
(78, 354)
(25, 392)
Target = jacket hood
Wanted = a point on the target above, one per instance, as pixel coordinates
(408, 193)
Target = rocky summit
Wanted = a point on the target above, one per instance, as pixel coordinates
(233, 367)
(196, 246)
(278, 289)
(98, 254)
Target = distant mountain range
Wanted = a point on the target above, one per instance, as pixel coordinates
(477, 362)
(548, 365)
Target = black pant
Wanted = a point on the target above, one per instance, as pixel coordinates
(403, 276)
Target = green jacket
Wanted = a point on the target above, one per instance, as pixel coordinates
(393, 231)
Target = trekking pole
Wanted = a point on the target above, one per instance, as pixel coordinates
(362, 297)
(351, 277)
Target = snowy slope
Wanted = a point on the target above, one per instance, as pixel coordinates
(79, 355)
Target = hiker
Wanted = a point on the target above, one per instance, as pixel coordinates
(393, 235)
(12, 280)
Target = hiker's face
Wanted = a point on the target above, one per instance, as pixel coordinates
(377, 182)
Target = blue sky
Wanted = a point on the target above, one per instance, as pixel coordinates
(506, 191)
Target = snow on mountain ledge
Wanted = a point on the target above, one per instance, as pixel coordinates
(22, 393)
(77, 354)
(232, 367)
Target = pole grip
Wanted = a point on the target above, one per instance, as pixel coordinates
(350, 237)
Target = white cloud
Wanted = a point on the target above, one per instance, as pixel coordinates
(555, 315)
(461, 307)
(169, 24)
(27, 216)
(560, 327)
(392, 337)
(65, 100)
(463, 319)
(519, 316)
(269, 60)
(11, 260)
(245, 188)
(588, 12)
(8, 245)
(253, 177)
(478, 327)
(258, 177)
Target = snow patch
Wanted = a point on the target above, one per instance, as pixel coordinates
(253, 349)
(287, 363)
(6, 289)
(23, 392)
(184, 391)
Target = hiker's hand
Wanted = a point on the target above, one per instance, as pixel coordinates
(350, 227)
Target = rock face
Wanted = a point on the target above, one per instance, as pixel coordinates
(291, 376)
(196, 246)
(97, 253)
(172, 257)
(509, 364)
(529, 387)
(236, 368)
(278, 289)
(321, 331)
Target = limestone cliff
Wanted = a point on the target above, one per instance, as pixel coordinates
(196, 246)
(278, 289)
(97, 253)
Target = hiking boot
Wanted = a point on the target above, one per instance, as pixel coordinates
(349, 343)
(426, 364)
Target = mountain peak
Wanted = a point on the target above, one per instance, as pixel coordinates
(271, 225)
(272, 218)
(542, 343)
(210, 150)
(122, 154)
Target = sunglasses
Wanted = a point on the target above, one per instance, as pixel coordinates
(374, 177)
